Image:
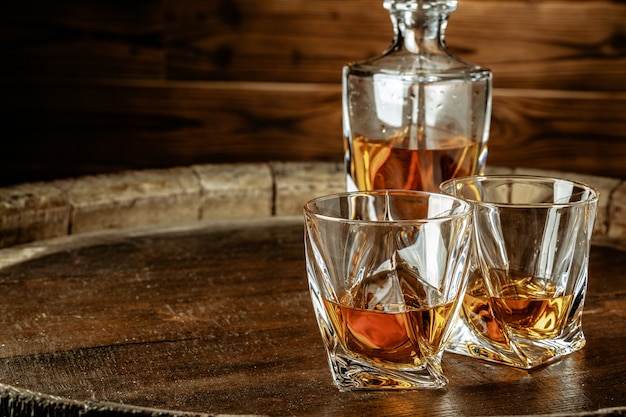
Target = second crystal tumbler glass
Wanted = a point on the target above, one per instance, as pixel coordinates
(528, 279)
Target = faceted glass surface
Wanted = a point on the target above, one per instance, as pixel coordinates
(528, 279)
(386, 271)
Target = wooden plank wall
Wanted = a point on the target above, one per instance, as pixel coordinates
(93, 86)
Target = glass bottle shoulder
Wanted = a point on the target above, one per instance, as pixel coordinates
(424, 66)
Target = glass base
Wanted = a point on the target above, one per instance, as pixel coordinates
(353, 374)
(519, 353)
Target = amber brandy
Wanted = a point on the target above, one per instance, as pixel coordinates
(526, 307)
(398, 338)
(387, 164)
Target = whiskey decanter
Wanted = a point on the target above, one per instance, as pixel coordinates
(416, 115)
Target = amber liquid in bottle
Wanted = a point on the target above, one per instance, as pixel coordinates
(387, 164)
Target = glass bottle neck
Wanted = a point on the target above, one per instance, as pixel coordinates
(419, 25)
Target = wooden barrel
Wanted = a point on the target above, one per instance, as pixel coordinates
(213, 317)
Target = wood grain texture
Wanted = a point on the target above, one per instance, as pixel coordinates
(541, 44)
(566, 131)
(217, 319)
(98, 86)
(106, 126)
(89, 38)
(88, 127)
(40, 206)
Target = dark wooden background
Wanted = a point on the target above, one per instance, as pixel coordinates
(94, 86)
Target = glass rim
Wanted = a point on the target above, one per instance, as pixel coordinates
(465, 208)
(524, 179)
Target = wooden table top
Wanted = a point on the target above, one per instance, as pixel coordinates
(211, 319)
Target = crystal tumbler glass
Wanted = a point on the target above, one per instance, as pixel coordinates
(386, 271)
(528, 279)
